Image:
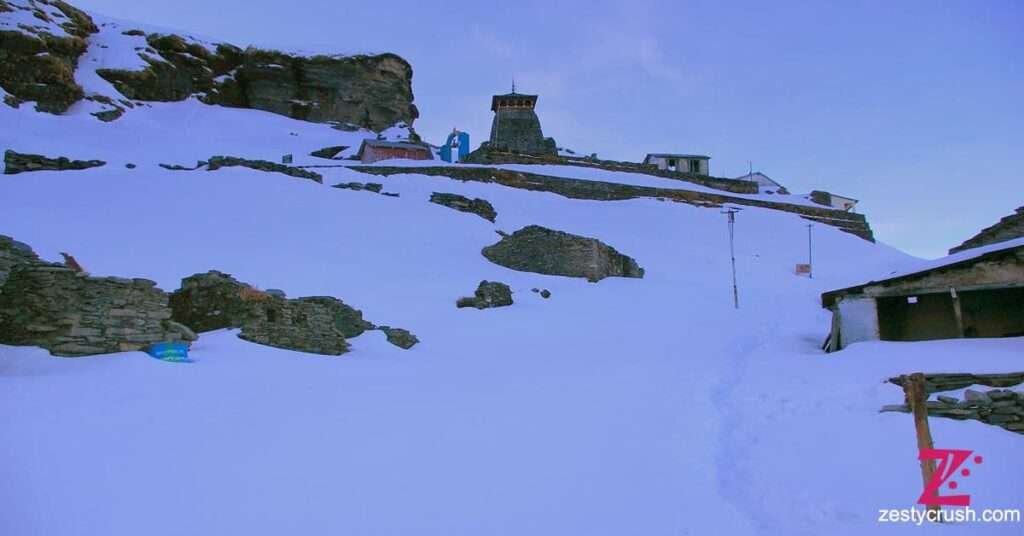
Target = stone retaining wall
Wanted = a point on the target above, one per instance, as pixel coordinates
(71, 313)
(850, 222)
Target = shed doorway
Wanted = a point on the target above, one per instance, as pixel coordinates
(993, 313)
(920, 317)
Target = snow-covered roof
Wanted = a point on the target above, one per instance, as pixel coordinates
(963, 258)
(759, 178)
(674, 155)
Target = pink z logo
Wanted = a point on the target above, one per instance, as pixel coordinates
(949, 461)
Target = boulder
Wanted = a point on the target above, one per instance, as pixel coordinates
(546, 251)
(480, 207)
(15, 162)
(488, 294)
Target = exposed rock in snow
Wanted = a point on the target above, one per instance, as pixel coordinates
(488, 294)
(546, 251)
(480, 207)
(15, 162)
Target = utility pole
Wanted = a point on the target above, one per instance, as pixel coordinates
(731, 212)
(810, 251)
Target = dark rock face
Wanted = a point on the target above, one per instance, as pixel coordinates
(480, 207)
(217, 162)
(316, 324)
(72, 314)
(19, 162)
(36, 65)
(546, 251)
(1008, 228)
(400, 337)
(369, 91)
(488, 294)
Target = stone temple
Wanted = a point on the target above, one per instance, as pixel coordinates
(516, 127)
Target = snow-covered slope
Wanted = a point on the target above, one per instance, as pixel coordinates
(630, 406)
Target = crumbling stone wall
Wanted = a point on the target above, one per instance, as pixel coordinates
(71, 313)
(488, 294)
(14, 253)
(317, 324)
(1008, 228)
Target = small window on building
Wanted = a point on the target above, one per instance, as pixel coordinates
(911, 299)
(271, 315)
(672, 164)
(694, 166)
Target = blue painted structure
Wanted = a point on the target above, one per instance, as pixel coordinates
(169, 351)
(459, 141)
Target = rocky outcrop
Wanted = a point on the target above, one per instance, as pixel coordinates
(316, 324)
(371, 91)
(850, 222)
(488, 294)
(546, 251)
(1008, 228)
(217, 162)
(20, 162)
(480, 207)
(72, 314)
(38, 61)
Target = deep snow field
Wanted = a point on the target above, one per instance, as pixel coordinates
(629, 406)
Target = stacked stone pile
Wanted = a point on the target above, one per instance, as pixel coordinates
(999, 407)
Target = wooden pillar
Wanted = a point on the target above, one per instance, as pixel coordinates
(917, 396)
(957, 312)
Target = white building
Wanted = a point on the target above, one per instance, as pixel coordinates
(685, 163)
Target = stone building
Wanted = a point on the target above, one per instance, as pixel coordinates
(516, 128)
(683, 163)
(977, 293)
(373, 150)
(1007, 228)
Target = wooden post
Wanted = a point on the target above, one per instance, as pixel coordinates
(957, 312)
(917, 397)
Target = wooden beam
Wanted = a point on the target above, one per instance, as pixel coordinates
(913, 388)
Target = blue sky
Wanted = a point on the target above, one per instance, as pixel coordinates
(915, 108)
